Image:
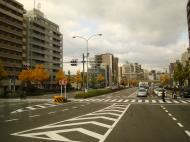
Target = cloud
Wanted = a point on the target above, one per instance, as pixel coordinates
(133, 30)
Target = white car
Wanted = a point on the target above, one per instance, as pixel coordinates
(159, 91)
(142, 92)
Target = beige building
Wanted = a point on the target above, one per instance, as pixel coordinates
(132, 71)
(12, 36)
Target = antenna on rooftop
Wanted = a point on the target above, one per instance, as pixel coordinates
(39, 6)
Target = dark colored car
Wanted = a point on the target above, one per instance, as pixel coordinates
(185, 92)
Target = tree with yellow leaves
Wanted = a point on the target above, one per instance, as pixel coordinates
(60, 75)
(100, 78)
(78, 78)
(164, 79)
(39, 74)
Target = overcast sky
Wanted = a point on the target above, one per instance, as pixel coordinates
(150, 32)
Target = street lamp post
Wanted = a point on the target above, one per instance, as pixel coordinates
(87, 53)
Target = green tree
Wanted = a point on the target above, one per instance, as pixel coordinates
(179, 74)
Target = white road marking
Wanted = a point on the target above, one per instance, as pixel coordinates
(153, 101)
(11, 120)
(120, 100)
(174, 118)
(169, 102)
(31, 108)
(175, 101)
(166, 111)
(58, 134)
(109, 131)
(139, 101)
(183, 101)
(146, 101)
(113, 100)
(34, 116)
(107, 100)
(104, 113)
(126, 100)
(52, 112)
(74, 107)
(169, 114)
(187, 132)
(160, 101)
(179, 124)
(133, 101)
(40, 106)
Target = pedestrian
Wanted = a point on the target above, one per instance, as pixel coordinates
(174, 94)
(163, 95)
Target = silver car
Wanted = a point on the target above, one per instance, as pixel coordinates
(142, 92)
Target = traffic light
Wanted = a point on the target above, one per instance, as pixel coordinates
(73, 62)
(25, 67)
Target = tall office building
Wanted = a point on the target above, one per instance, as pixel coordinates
(110, 63)
(12, 36)
(44, 42)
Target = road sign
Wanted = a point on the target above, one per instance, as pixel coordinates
(63, 82)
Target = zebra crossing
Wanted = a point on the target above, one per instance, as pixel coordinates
(91, 127)
(140, 101)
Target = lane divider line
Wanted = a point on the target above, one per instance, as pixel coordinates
(174, 118)
(34, 116)
(52, 112)
(11, 120)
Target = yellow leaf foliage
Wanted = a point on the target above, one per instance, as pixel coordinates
(78, 77)
(60, 75)
(100, 77)
(39, 74)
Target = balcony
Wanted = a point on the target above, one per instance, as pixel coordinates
(10, 39)
(5, 29)
(4, 20)
(11, 15)
(11, 56)
(12, 48)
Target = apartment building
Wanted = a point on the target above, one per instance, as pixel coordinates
(44, 42)
(12, 36)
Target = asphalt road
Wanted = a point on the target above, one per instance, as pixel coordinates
(115, 117)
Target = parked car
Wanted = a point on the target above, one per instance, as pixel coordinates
(142, 92)
(185, 92)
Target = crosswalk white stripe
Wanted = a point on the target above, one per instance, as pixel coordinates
(113, 100)
(188, 101)
(183, 101)
(107, 100)
(175, 101)
(160, 101)
(120, 100)
(126, 100)
(133, 101)
(146, 101)
(153, 101)
(168, 101)
(139, 101)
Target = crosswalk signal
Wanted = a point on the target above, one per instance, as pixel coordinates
(73, 62)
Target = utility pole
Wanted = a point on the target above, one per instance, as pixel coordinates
(83, 70)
